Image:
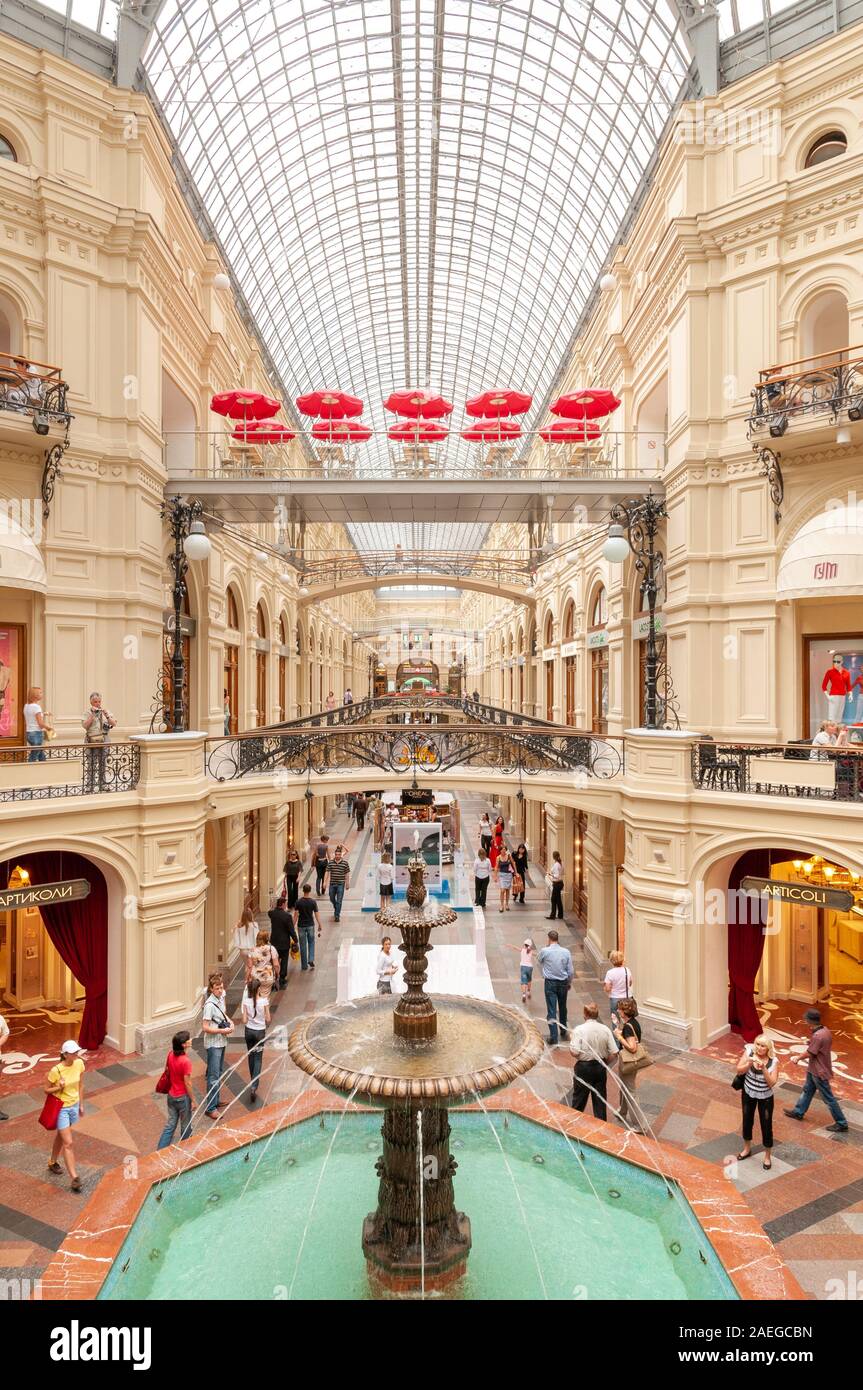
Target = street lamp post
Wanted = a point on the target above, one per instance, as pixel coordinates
(190, 543)
(634, 525)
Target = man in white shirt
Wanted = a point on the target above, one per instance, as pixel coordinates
(4, 1036)
(592, 1045)
(825, 738)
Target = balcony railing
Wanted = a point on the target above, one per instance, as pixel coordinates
(616, 454)
(784, 769)
(68, 769)
(826, 386)
(33, 389)
(412, 748)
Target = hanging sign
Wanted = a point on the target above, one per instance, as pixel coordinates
(597, 639)
(804, 894)
(641, 626)
(43, 894)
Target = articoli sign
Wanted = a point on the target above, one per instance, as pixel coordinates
(804, 894)
(43, 894)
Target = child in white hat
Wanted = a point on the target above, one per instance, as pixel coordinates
(66, 1080)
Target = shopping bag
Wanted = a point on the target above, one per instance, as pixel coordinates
(50, 1112)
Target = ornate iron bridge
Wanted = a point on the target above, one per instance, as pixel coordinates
(109, 767)
(413, 748)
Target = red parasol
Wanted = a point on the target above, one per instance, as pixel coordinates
(419, 432)
(502, 402)
(245, 405)
(259, 432)
(575, 432)
(331, 405)
(417, 404)
(585, 405)
(492, 430)
(341, 431)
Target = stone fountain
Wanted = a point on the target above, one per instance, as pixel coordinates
(415, 1060)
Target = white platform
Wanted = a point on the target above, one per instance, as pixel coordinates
(451, 969)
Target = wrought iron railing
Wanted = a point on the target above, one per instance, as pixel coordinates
(784, 769)
(32, 388)
(828, 384)
(402, 748)
(107, 767)
(495, 714)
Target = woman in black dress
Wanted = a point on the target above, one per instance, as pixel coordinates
(519, 860)
(293, 867)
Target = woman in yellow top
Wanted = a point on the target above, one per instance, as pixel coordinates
(66, 1080)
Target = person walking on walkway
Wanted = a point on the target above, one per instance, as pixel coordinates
(282, 936)
(262, 964)
(331, 700)
(66, 1080)
(481, 875)
(321, 857)
(387, 967)
(385, 879)
(256, 1016)
(820, 1069)
(339, 881)
(485, 835)
(627, 1034)
(360, 804)
(519, 864)
(556, 881)
(556, 964)
(348, 698)
(526, 963)
(503, 874)
(617, 983)
(217, 1026)
(593, 1047)
(293, 869)
(180, 1096)
(760, 1071)
(305, 919)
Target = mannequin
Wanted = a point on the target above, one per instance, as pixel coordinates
(837, 684)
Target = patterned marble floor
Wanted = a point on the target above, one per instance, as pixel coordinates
(811, 1203)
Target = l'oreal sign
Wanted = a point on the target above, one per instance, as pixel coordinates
(641, 626)
(597, 639)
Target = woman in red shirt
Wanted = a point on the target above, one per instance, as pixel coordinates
(496, 847)
(181, 1097)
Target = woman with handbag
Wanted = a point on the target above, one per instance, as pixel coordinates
(176, 1085)
(504, 876)
(633, 1055)
(64, 1087)
(262, 964)
(757, 1075)
(519, 862)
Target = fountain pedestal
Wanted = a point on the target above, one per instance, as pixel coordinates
(416, 1237)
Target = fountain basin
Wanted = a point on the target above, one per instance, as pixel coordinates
(114, 1229)
(480, 1046)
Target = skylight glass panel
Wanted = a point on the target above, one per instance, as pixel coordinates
(415, 193)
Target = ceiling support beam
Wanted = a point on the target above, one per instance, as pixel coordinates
(700, 21)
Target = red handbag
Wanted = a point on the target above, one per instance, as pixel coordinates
(50, 1112)
(163, 1085)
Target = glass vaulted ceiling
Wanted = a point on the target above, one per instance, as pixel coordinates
(417, 192)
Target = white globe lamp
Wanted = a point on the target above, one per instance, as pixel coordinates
(616, 548)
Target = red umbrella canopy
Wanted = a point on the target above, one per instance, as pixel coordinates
(575, 432)
(419, 432)
(417, 404)
(585, 405)
(331, 405)
(502, 402)
(492, 430)
(259, 433)
(245, 405)
(340, 431)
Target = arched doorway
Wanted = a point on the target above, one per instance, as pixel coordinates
(283, 670)
(55, 955)
(261, 649)
(548, 639)
(231, 667)
(597, 642)
(178, 427)
(569, 698)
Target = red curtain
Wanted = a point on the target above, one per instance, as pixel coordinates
(78, 931)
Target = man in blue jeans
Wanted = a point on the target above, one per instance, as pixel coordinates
(818, 1054)
(305, 920)
(556, 963)
(339, 881)
(217, 1029)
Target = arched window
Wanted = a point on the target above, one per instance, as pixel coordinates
(261, 667)
(283, 671)
(599, 608)
(824, 328)
(549, 630)
(178, 427)
(261, 619)
(233, 613)
(7, 150)
(10, 328)
(828, 146)
(569, 622)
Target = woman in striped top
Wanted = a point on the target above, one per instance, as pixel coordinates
(760, 1071)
